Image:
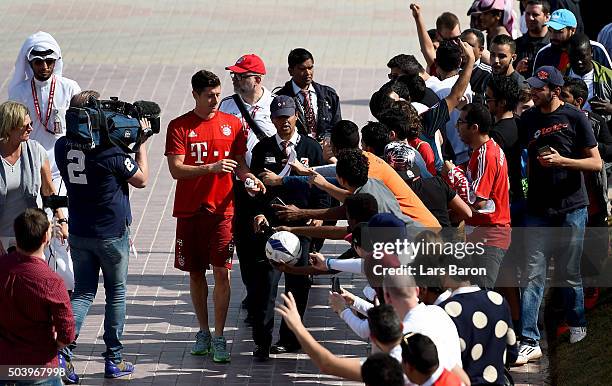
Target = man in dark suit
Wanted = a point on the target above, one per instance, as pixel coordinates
(275, 154)
(318, 106)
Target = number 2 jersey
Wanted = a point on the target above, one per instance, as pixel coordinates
(98, 192)
(205, 142)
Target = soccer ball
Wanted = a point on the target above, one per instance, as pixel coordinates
(284, 247)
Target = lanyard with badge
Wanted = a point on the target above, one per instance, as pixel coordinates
(49, 107)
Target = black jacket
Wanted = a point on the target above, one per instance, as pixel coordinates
(328, 107)
(550, 55)
(478, 83)
(602, 134)
(267, 154)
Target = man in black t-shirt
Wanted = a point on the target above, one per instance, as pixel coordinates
(482, 72)
(502, 96)
(503, 53)
(561, 146)
(537, 14)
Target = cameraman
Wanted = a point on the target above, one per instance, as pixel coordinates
(97, 184)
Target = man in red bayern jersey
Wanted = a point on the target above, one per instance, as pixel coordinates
(204, 147)
(484, 187)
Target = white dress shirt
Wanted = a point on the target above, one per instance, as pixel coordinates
(260, 112)
(311, 92)
(434, 322)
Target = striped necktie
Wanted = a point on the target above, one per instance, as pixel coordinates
(311, 121)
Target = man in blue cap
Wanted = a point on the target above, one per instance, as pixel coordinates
(561, 145)
(562, 26)
(276, 154)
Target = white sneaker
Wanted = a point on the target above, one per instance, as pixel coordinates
(577, 334)
(528, 353)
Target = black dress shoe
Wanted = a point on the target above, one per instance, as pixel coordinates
(281, 348)
(261, 353)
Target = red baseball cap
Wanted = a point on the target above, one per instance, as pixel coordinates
(248, 63)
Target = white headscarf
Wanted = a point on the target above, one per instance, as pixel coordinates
(510, 20)
(23, 71)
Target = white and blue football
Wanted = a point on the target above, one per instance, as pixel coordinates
(284, 247)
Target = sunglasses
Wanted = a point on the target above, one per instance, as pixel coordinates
(236, 76)
(455, 40)
(48, 62)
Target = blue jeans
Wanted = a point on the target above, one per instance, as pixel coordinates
(53, 381)
(491, 259)
(565, 241)
(89, 255)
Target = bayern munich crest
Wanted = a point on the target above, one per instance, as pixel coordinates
(226, 129)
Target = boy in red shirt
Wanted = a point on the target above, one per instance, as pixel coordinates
(37, 316)
(485, 187)
(420, 362)
(204, 147)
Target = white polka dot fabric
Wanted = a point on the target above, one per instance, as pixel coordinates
(486, 336)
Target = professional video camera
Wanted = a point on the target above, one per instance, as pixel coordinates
(113, 121)
(54, 202)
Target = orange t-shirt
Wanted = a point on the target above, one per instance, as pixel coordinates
(409, 202)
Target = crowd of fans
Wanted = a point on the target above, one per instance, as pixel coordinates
(500, 138)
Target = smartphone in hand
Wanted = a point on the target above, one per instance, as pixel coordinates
(277, 201)
(596, 99)
(335, 285)
(544, 150)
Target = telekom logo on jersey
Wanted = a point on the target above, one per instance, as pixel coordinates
(200, 150)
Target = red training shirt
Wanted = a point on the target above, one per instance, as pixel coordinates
(487, 178)
(447, 379)
(205, 142)
(427, 153)
(35, 305)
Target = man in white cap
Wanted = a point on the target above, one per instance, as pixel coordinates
(38, 83)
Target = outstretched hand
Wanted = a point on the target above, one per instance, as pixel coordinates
(300, 169)
(317, 260)
(270, 178)
(288, 212)
(336, 302)
(416, 10)
(601, 107)
(289, 312)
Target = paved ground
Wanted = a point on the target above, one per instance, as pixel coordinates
(148, 49)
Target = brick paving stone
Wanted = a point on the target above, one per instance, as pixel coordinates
(143, 49)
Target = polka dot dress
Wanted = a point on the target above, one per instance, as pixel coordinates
(487, 338)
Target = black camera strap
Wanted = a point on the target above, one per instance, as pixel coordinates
(248, 118)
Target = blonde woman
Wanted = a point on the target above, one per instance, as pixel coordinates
(24, 171)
